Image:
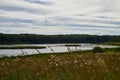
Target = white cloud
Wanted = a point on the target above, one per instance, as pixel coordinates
(62, 16)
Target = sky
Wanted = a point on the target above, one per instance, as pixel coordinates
(96, 17)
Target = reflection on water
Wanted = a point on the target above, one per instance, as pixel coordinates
(50, 48)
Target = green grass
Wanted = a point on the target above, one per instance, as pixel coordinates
(79, 65)
(23, 47)
(110, 43)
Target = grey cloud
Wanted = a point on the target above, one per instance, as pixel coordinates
(17, 9)
(23, 6)
(104, 17)
(41, 2)
(6, 19)
(57, 23)
(90, 26)
(104, 20)
(13, 25)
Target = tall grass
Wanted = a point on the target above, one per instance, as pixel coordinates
(69, 66)
(110, 43)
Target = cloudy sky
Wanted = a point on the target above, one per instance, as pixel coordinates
(101, 17)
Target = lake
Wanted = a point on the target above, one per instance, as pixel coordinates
(50, 48)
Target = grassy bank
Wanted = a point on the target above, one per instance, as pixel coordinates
(23, 47)
(80, 65)
(110, 43)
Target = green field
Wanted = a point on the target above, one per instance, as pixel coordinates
(79, 65)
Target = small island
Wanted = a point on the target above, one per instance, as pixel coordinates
(23, 47)
(72, 45)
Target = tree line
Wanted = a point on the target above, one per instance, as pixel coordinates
(46, 39)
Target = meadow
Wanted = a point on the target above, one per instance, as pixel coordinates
(79, 65)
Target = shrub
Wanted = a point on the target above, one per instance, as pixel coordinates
(98, 50)
(117, 49)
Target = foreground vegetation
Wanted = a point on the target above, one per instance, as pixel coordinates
(79, 65)
(22, 47)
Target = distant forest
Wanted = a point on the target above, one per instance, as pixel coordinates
(46, 39)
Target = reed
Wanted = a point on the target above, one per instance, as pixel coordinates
(80, 65)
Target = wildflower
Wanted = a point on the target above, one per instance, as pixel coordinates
(56, 64)
(75, 61)
(2, 78)
(86, 63)
(101, 62)
(38, 74)
(3, 64)
(52, 56)
(17, 60)
(81, 65)
(118, 58)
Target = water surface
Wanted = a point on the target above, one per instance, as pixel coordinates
(50, 48)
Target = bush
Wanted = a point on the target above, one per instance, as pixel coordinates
(98, 50)
(117, 49)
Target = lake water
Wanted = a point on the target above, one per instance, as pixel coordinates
(50, 48)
